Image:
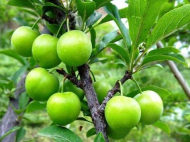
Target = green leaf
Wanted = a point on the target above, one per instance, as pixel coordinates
(53, 5)
(20, 134)
(122, 52)
(93, 37)
(93, 19)
(163, 126)
(35, 105)
(84, 105)
(83, 119)
(13, 54)
(59, 134)
(6, 83)
(107, 39)
(18, 73)
(153, 66)
(53, 28)
(100, 3)
(161, 51)
(141, 16)
(91, 132)
(21, 3)
(174, 57)
(114, 13)
(169, 23)
(85, 9)
(107, 18)
(99, 138)
(96, 59)
(160, 91)
(23, 100)
(13, 129)
(29, 11)
(121, 62)
(21, 21)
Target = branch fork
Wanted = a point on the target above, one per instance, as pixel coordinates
(96, 109)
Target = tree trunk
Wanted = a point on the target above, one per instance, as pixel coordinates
(10, 120)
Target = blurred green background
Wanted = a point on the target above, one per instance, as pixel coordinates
(177, 105)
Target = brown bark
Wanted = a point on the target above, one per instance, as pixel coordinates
(97, 110)
(97, 117)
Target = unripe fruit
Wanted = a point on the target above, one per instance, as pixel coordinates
(74, 48)
(22, 40)
(122, 113)
(101, 89)
(70, 87)
(151, 106)
(40, 84)
(44, 50)
(116, 135)
(63, 108)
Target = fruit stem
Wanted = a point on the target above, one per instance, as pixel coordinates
(121, 88)
(36, 23)
(62, 90)
(60, 27)
(93, 76)
(68, 28)
(137, 85)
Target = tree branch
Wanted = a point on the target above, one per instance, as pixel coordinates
(60, 16)
(97, 117)
(114, 90)
(10, 119)
(72, 78)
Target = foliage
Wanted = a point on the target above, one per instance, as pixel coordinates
(115, 50)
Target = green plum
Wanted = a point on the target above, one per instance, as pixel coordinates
(22, 40)
(40, 84)
(63, 108)
(74, 48)
(44, 50)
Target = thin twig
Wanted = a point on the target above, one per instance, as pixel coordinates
(72, 78)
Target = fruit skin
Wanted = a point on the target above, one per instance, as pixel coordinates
(44, 51)
(74, 48)
(116, 135)
(40, 84)
(122, 113)
(70, 87)
(101, 89)
(22, 40)
(151, 106)
(63, 108)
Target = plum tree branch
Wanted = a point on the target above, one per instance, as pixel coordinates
(10, 119)
(71, 77)
(97, 117)
(60, 16)
(114, 90)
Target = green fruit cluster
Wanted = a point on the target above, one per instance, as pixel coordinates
(72, 48)
(123, 113)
